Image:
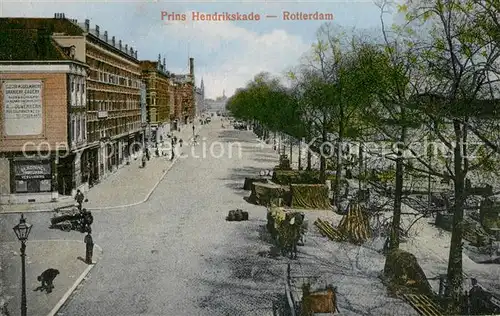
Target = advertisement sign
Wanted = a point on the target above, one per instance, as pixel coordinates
(22, 103)
(32, 170)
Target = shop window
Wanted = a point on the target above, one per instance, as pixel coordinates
(45, 185)
(21, 186)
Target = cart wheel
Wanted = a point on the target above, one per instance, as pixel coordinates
(66, 227)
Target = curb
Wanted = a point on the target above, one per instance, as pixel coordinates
(70, 291)
(111, 207)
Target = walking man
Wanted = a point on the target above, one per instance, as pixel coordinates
(89, 243)
(193, 129)
(172, 156)
(79, 198)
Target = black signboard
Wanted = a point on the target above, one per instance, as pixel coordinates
(26, 170)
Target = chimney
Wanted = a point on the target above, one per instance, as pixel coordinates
(131, 51)
(164, 65)
(126, 48)
(135, 55)
(120, 44)
(113, 41)
(159, 58)
(87, 25)
(63, 16)
(97, 30)
(191, 66)
(106, 36)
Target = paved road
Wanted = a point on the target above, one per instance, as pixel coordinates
(176, 254)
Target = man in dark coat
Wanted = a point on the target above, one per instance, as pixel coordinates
(89, 243)
(79, 197)
(47, 278)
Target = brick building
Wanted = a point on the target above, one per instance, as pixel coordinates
(184, 109)
(113, 107)
(160, 96)
(200, 99)
(43, 100)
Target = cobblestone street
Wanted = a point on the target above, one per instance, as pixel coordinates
(176, 255)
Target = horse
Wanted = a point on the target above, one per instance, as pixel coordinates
(289, 233)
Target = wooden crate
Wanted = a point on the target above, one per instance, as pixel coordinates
(424, 305)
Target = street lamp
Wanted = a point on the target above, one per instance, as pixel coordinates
(22, 231)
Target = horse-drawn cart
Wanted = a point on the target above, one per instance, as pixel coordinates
(299, 300)
(68, 218)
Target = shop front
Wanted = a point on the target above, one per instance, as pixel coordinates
(32, 180)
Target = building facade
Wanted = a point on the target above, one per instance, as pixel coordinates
(185, 98)
(200, 99)
(160, 92)
(114, 107)
(108, 114)
(43, 99)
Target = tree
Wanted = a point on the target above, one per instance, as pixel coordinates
(459, 57)
(328, 97)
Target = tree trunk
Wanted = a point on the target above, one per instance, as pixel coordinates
(360, 165)
(398, 195)
(309, 159)
(300, 155)
(322, 158)
(338, 167)
(455, 277)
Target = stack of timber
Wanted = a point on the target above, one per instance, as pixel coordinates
(326, 229)
(249, 181)
(355, 225)
(266, 193)
(310, 196)
(287, 177)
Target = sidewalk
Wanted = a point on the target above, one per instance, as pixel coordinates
(129, 185)
(41, 255)
(132, 184)
(19, 208)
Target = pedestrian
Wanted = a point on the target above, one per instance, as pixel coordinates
(180, 142)
(193, 129)
(89, 247)
(478, 298)
(147, 153)
(47, 278)
(79, 197)
(87, 220)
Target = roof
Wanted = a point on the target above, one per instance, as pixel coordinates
(50, 24)
(29, 44)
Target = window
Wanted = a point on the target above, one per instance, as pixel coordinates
(73, 127)
(72, 85)
(77, 87)
(77, 132)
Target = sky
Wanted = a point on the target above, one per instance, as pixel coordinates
(226, 54)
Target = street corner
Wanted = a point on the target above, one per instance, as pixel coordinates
(65, 256)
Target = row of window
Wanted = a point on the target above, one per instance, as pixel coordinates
(113, 105)
(77, 90)
(78, 129)
(110, 128)
(98, 60)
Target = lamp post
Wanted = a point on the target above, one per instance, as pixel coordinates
(22, 231)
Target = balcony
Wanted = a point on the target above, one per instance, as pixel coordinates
(102, 114)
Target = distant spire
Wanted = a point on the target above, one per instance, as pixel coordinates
(223, 93)
(201, 84)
